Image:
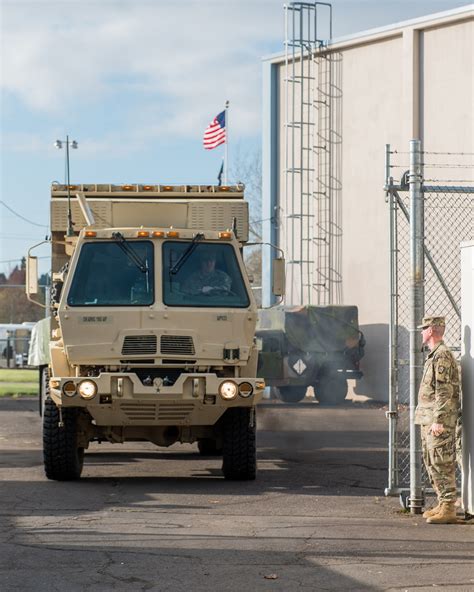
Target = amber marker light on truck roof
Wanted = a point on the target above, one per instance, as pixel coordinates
(127, 187)
(90, 233)
(225, 235)
(143, 233)
(148, 187)
(158, 234)
(172, 234)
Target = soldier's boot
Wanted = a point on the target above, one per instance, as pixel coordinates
(432, 512)
(446, 515)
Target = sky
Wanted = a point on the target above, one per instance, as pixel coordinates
(135, 83)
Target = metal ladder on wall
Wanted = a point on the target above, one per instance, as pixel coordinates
(308, 207)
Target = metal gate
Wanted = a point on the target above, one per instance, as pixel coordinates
(430, 215)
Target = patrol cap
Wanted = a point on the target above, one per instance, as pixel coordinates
(432, 322)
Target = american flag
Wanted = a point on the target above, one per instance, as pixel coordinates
(215, 133)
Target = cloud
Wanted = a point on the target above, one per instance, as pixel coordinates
(179, 60)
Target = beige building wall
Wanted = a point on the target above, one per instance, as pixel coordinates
(409, 81)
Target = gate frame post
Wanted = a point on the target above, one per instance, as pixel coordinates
(392, 413)
(417, 298)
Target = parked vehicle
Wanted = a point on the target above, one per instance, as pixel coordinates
(318, 346)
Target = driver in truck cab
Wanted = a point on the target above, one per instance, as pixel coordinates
(207, 279)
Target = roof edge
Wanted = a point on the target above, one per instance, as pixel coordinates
(391, 30)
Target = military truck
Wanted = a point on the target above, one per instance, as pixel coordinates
(153, 328)
(318, 346)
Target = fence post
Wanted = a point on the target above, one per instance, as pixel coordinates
(392, 414)
(417, 277)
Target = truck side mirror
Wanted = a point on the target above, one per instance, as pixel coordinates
(278, 277)
(31, 275)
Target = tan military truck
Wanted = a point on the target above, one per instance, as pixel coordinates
(153, 328)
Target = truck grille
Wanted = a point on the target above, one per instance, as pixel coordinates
(174, 411)
(180, 345)
(168, 412)
(139, 411)
(139, 345)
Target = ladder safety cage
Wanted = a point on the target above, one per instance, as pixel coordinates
(310, 227)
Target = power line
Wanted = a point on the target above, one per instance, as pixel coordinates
(18, 260)
(22, 217)
(7, 237)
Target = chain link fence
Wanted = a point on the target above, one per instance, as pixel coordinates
(448, 221)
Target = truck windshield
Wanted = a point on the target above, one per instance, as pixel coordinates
(106, 276)
(210, 276)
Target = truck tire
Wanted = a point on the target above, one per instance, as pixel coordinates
(291, 394)
(239, 453)
(63, 459)
(208, 447)
(331, 389)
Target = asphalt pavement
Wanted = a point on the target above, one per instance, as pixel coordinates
(152, 519)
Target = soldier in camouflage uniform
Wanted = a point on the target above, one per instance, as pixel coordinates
(437, 414)
(208, 280)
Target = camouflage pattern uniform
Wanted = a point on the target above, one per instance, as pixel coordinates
(438, 402)
(199, 281)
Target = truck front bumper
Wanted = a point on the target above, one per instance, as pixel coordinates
(122, 399)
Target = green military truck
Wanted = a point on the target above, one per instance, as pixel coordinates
(152, 335)
(318, 346)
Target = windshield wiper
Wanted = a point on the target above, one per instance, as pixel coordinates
(129, 251)
(184, 257)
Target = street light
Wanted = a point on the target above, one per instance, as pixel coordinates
(59, 144)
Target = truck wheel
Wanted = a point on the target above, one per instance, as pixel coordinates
(239, 452)
(63, 459)
(291, 394)
(331, 389)
(208, 447)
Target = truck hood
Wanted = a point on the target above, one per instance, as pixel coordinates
(121, 336)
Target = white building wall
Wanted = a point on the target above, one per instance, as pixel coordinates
(447, 84)
(414, 80)
(372, 116)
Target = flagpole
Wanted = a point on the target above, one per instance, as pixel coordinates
(226, 145)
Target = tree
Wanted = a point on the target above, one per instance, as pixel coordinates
(247, 169)
(14, 305)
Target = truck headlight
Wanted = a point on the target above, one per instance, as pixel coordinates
(245, 389)
(87, 389)
(228, 390)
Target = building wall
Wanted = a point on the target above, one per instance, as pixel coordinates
(412, 81)
(447, 97)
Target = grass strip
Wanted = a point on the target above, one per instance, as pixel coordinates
(10, 389)
(18, 375)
